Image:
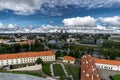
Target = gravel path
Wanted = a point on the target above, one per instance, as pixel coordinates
(105, 74)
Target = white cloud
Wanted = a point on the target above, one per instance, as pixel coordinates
(1, 25)
(101, 27)
(26, 7)
(11, 25)
(111, 21)
(86, 21)
(82, 3)
(7, 26)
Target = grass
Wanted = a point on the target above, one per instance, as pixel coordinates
(74, 71)
(116, 77)
(68, 70)
(25, 72)
(58, 71)
(46, 68)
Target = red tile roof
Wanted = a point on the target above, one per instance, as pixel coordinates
(26, 42)
(109, 62)
(26, 54)
(88, 69)
(69, 58)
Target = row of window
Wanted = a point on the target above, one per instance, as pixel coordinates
(25, 60)
(104, 67)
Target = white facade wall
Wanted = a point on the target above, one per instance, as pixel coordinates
(108, 67)
(25, 60)
(28, 68)
(67, 61)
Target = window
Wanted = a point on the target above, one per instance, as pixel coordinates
(2, 63)
(11, 61)
(21, 60)
(7, 62)
(102, 67)
(111, 68)
(16, 61)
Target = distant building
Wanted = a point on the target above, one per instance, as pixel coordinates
(39, 37)
(4, 41)
(71, 40)
(27, 57)
(52, 42)
(26, 42)
(100, 42)
(88, 40)
(69, 59)
(115, 38)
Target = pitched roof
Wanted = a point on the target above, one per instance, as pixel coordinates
(88, 69)
(109, 62)
(70, 58)
(26, 54)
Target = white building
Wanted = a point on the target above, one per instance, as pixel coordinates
(27, 57)
(69, 59)
(71, 40)
(104, 63)
(107, 64)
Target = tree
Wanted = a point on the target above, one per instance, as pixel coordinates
(24, 47)
(64, 53)
(39, 61)
(58, 53)
(38, 47)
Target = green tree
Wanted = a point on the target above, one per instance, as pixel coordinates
(25, 47)
(58, 53)
(39, 61)
(38, 47)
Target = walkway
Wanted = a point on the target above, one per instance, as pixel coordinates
(66, 73)
(43, 74)
(105, 74)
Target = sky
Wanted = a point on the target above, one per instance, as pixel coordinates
(85, 13)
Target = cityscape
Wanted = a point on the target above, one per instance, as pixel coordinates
(59, 40)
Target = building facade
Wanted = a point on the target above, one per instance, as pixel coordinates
(69, 59)
(107, 64)
(27, 57)
(89, 66)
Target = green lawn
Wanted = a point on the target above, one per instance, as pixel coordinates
(17, 72)
(58, 71)
(46, 68)
(67, 68)
(74, 71)
(116, 77)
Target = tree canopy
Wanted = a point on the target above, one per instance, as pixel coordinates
(39, 61)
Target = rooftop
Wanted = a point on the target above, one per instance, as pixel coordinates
(26, 42)
(70, 58)
(26, 54)
(88, 69)
(109, 62)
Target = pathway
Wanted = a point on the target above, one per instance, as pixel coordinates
(66, 73)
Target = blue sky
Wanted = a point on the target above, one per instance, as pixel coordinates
(53, 12)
